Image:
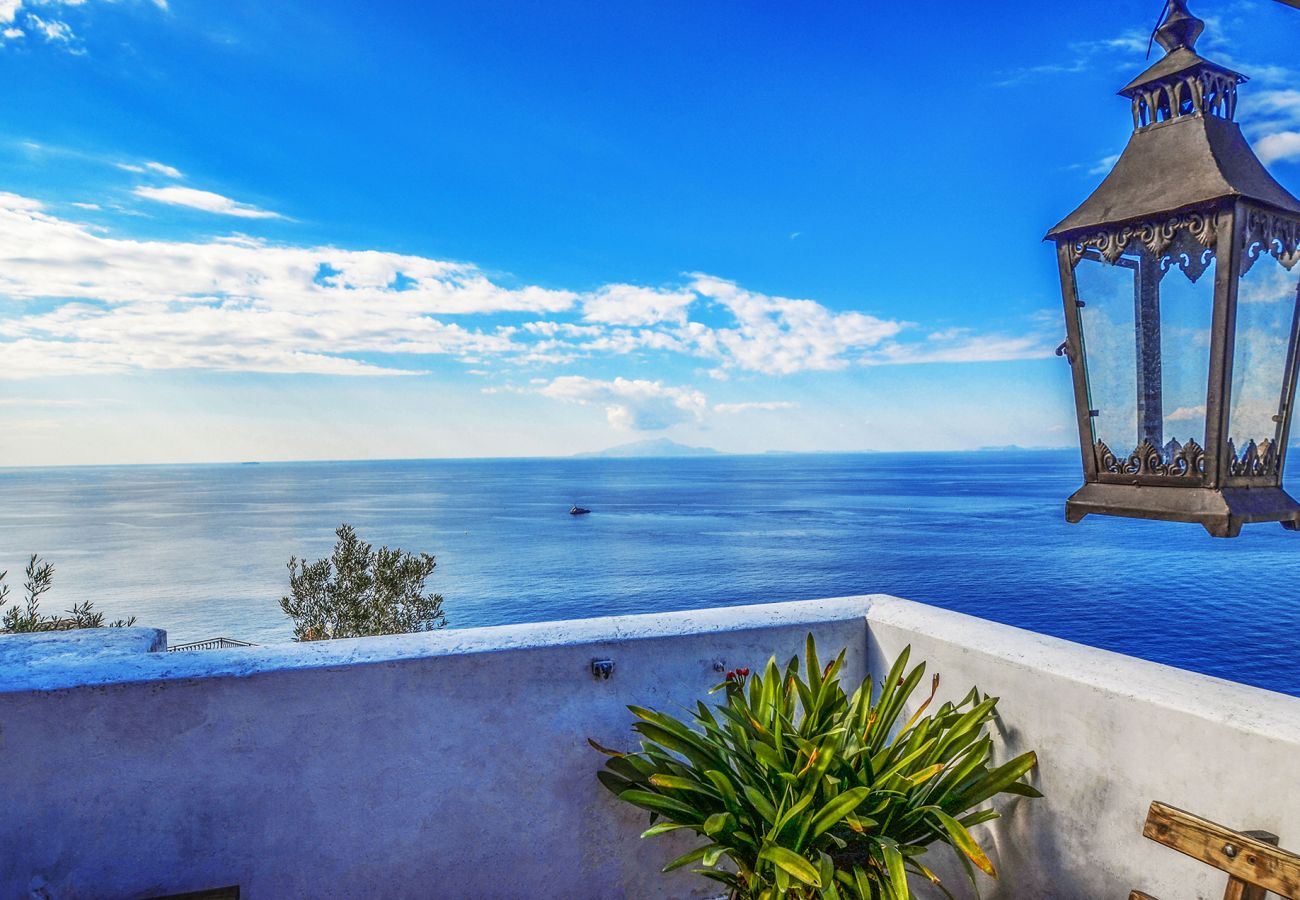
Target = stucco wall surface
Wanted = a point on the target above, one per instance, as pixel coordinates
(1112, 734)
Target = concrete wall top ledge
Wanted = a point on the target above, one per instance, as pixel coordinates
(32, 669)
(23, 655)
(1240, 706)
(87, 658)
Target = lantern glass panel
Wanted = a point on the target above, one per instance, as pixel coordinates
(1106, 321)
(1146, 336)
(1266, 303)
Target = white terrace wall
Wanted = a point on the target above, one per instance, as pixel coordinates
(1112, 734)
(447, 765)
(455, 764)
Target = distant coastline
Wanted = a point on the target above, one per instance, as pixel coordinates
(664, 447)
(654, 447)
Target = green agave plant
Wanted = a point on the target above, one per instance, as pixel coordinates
(802, 791)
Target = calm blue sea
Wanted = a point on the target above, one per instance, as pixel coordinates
(201, 550)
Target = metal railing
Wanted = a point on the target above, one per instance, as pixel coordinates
(217, 643)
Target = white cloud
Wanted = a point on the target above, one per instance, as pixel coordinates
(19, 203)
(163, 169)
(626, 304)
(751, 406)
(777, 335)
(103, 352)
(1104, 165)
(21, 19)
(204, 200)
(636, 404)
(48, 403)
(1284, 103)
(157, 167)
(960, 346)
(1269, 109)
(53, 30)
(1186, 414)
(1281, 145)
(1267, 283)
(82, 300)
(1129, 42)
(1081, 56)
(123, 305)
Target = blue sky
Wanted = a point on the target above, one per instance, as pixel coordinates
(318, 230)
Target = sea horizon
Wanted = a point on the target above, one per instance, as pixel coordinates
(593, 454)
(199, 549)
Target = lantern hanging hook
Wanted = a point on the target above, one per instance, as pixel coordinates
(1164, 9)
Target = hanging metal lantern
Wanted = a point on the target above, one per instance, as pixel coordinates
(1179, 280)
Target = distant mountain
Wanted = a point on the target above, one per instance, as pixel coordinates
(1016, 448)
(651, 447)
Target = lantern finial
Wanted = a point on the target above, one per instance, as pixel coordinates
(1180, 28)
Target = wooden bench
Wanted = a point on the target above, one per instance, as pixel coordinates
(1252, 859)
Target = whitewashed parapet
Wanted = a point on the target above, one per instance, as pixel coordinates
(451, 764)
(456, 764)
(1112, 734)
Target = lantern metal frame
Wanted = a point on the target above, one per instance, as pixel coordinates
(1186, 186)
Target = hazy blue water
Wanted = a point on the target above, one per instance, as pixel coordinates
(201, 550)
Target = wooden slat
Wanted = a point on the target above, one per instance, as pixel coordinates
(1243, 890)
(1138, 895)
(1252, 861)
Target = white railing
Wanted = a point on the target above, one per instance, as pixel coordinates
(217, 643)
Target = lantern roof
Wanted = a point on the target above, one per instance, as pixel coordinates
(1185, 150)
(1176, 62)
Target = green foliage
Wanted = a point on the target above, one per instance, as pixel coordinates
(38, 579)
(359, 591)
(811, 793)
